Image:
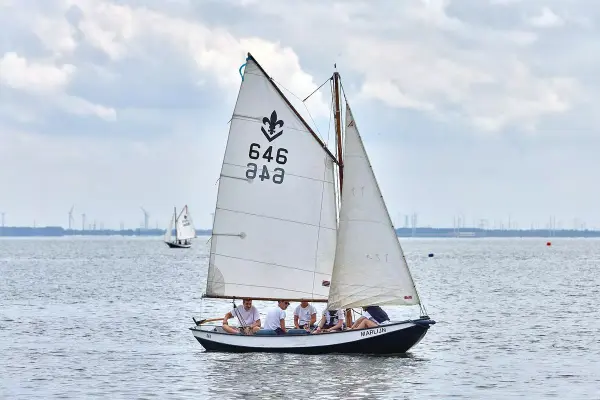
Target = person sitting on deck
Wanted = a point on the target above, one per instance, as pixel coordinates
(275, 318)
(372, 317)
(305, 316)
(247, 316)
(331, 321)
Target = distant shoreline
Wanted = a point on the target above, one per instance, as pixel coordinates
(422, 232)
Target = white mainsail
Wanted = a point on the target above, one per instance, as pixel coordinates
(369, 268)
(169, 232)
(185, 225)
(274, 228)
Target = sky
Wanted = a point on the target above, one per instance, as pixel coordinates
(479, 108)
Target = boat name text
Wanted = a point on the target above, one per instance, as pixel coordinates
(371, 332)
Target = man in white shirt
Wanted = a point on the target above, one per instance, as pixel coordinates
(305, 315)
(247, 316)
(275, 318)
(331, 321)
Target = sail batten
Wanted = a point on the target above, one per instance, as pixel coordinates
(369, 267)
(276, 202)
(275, 265)
(280, 219)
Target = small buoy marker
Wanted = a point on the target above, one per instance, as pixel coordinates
(548, 244)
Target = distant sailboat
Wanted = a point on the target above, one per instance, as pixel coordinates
(276, 233)
(184, 230)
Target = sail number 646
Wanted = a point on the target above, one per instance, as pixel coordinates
(280, 158)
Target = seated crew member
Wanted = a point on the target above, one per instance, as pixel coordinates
(275, 318)
(305, 316)
(372, 317)
(248, 317)
(331, 321)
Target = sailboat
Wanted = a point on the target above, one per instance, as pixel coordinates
(184, 230)
(295, 222)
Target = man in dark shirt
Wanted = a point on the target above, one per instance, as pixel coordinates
(373, 316)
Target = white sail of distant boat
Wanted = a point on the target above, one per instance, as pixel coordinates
(184, 229)
(185, 225)
(276, 234)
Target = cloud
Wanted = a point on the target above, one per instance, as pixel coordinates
(109, 95)
(546, 19)
(17, 72)
(491, 87)
(434, 58)
(124, 31)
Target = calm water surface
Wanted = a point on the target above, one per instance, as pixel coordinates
(108, 318)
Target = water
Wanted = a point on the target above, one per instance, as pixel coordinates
(108, 318)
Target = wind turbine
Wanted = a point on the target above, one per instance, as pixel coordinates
(146, 218)
(71, 219)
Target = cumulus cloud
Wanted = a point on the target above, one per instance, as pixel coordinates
(103, 89)
(19, 73)
(421, 55)
(546, 19)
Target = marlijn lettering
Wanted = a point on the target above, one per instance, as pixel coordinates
(372, 332)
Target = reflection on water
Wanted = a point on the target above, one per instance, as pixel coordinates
(333, 376)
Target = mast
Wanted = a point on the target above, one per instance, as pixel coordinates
(338, 125)
(338, 136)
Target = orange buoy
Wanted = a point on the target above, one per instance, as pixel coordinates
(548, 244)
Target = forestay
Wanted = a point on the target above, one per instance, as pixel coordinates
(274, 227)
(185, 225)
(369, 268)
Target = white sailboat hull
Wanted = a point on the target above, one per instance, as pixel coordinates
(392, 338)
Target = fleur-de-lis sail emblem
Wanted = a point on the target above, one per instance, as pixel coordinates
(272, 124)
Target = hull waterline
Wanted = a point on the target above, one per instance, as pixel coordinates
(393, 338)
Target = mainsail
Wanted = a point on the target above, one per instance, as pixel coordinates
(369, 268)
(185, 225)
(274, 228)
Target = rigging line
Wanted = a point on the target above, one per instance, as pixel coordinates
(343, 91)
(317, 89)
(323, 191)
(304, 104)
(330, 113)
(238, 314)
(354, 313)
(342, 119)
